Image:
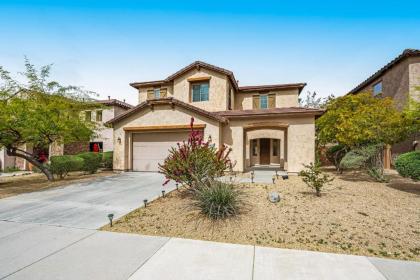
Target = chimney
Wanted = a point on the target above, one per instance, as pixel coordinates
(109, 97)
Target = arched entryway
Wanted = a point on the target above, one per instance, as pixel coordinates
(266, 146)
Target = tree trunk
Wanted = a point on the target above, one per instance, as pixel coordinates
(30, 157)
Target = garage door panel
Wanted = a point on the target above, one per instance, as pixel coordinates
(150, 149)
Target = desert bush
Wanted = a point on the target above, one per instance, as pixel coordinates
(314, 177)
(62, 165)
(335, 154)
(107, 159)
(195, 160)
(217, 200)
(408, 165)
(91, 161)
(369, 158)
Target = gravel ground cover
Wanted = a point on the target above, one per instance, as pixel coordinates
(353, 216)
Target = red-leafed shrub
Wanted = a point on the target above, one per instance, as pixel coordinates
(195, 160)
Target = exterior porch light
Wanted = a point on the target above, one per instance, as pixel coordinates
(119, 140)
(145, 203)
(163, 193)
(110, 217)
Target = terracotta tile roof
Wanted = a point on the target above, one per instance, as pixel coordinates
(405, 54)
(115, 102)
(271, 112)
(167, 101)
(193, 65)
(298, 86)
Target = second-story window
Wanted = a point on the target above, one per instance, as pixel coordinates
(156, 93)
(200, 92)
(99, 115)
(377, 88)
(263, 101)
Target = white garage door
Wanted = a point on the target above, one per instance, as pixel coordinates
(150, 149)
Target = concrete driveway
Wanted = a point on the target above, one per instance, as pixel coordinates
(84, 205)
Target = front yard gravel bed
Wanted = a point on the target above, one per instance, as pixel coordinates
(353, 216)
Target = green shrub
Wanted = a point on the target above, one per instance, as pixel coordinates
(408, 165)
(10, 169)
(107, 159)
(218, 200)
(92, 161)
(369, 158)
(62, 165)
(314, 177)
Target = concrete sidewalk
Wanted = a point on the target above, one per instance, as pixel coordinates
(32, 251)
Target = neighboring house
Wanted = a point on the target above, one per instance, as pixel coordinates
(400, 80)
(6, 161)
(263, 125)
(103, 140)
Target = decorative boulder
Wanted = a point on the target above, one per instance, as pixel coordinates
(274, 197)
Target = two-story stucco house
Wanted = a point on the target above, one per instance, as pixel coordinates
(400, 80)
(263, 125)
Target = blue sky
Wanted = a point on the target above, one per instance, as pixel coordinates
(104, 45)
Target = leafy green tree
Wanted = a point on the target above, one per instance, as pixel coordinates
(39, 112)
(361, 119)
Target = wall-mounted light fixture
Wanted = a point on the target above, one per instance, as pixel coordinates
(119, 140)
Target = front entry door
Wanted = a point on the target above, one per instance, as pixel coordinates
(264, 151)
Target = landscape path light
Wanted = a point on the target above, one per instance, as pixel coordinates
(145, 203)
(110, 217)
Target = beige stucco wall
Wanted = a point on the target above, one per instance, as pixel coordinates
(284, 98)
(160, 116)
(5, 160)
(143, 91)
(398, 82)
(105, 134)
(300, 141)
(414, 81)
(218, 87)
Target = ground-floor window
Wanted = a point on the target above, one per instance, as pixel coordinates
(276, 147)
(254, 149)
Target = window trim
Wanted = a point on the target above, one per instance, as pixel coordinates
(156, 90)
(266, 96)
(90, 116)
(200, 93)
(99, 113)
(376, 84)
